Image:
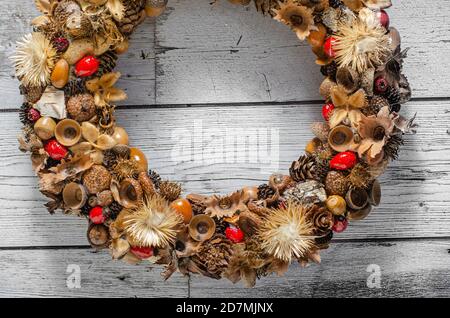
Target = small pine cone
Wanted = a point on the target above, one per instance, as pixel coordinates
(323, 241)
(24, 114)
(76, 86)
(155, 177)
(392, 147)
(322, 169)
(376, 103)
(109, 159)
(221, 225)
(134, 15)
(360, 176)
(265, 192)
(32, 94)
(394, 98)
(303, 169)
(330, 70)
(336, 183)
(112, 211)
(85, 209)
(108, 62)
(170, 190)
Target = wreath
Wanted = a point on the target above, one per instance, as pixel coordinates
(87, 168)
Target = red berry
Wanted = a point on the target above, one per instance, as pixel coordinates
(34, 115)
(96, 215)
(55, 150)
(61, 44)
(339, 225)
(326, 111)
(381, 85)
(343, 161)
(328, 47)
(87, 66)
(142, 252)
(384, 19)
(234, 234)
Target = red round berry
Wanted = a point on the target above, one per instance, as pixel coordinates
(384, 19)
(381, 85)
(33, 115)
(340, 225)
(142, 252)
(61, 44)
(328, 47)
(234, 234)
(96, 215)
(55, 150)
(87, 66)
(326, 111)
(343, 161)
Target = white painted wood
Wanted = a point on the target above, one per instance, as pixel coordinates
(407, 269)
(46, 272)
(415, 188)
(199, 60)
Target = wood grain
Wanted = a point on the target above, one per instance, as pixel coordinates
(415, 201)
(199, 56)
(44, 273)
(408, 269)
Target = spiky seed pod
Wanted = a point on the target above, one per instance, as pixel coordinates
(265, 192)
(336, 183)
(303, 169)
(34, 60)
(360, 176)
(330, 70)
(64, 9)
(152, 224)
(125, 168)
(392, 147)
(170, 190)
(287, 232)
(108, 62)
(214, 255)
(75, 86)
(32, 94)
(134, 14)
(155, 177)
(24, 114)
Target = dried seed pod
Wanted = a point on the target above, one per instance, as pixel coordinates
(130, 193)
(74, 196)
(249, 222)
(357, 198)
(358, 215)
(341, 138)
(202, 227)
(98, 236)
(81, 107)
(336, 204)
(105, 198)
(375, 193)
(348, 78)
(336, 183)
(279, 182)
(96, 179)
(68, 132)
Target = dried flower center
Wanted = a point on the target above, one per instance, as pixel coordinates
(296, 20)
(225, 203)
(379, 133)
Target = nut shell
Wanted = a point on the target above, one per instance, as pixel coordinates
(60, 74)
(45, 128)
(96, 179)
(336, 183)
(98, 236)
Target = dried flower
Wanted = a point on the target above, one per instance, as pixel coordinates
(34, 60)
(298, 17)
(104, 90)
(225, 206)
(347, 106)
(287, 232)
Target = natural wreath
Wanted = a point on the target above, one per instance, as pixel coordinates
(86, 166)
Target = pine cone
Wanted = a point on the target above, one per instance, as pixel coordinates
(376, 103)
(265, 192)
(32, 94)
(112, 211)
(392, 147)
(221, 225)
(155, 177)
(213, 256)
(394, 98)
(108, 63)
(303, 169)
(321, 218)
(330, 70)
(76, 86)
(170, 190)
(109, 159)
(134, 15)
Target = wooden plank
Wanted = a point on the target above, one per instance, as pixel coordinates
(204, 63)
(408, 269)
(415, 189)
(138, 73)
(45, 273)
(223, 53)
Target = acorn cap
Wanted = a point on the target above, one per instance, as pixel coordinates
(130, 192)
(358, 215)
(202, 227)
(340, 138)
(98, 236)
(357, 198)
(68, 132)
(74, 195)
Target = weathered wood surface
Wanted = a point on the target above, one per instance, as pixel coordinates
(200, 56)
(408, 269)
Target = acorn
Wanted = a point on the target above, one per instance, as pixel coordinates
(98, 236)
(120, 135)
(340, 138)
(81, 107)
(184, 208)
(60, 74)
(45, 128)
(336, 204)
(97, 179)
(336, 183)
(139, 157)
(74, 196)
